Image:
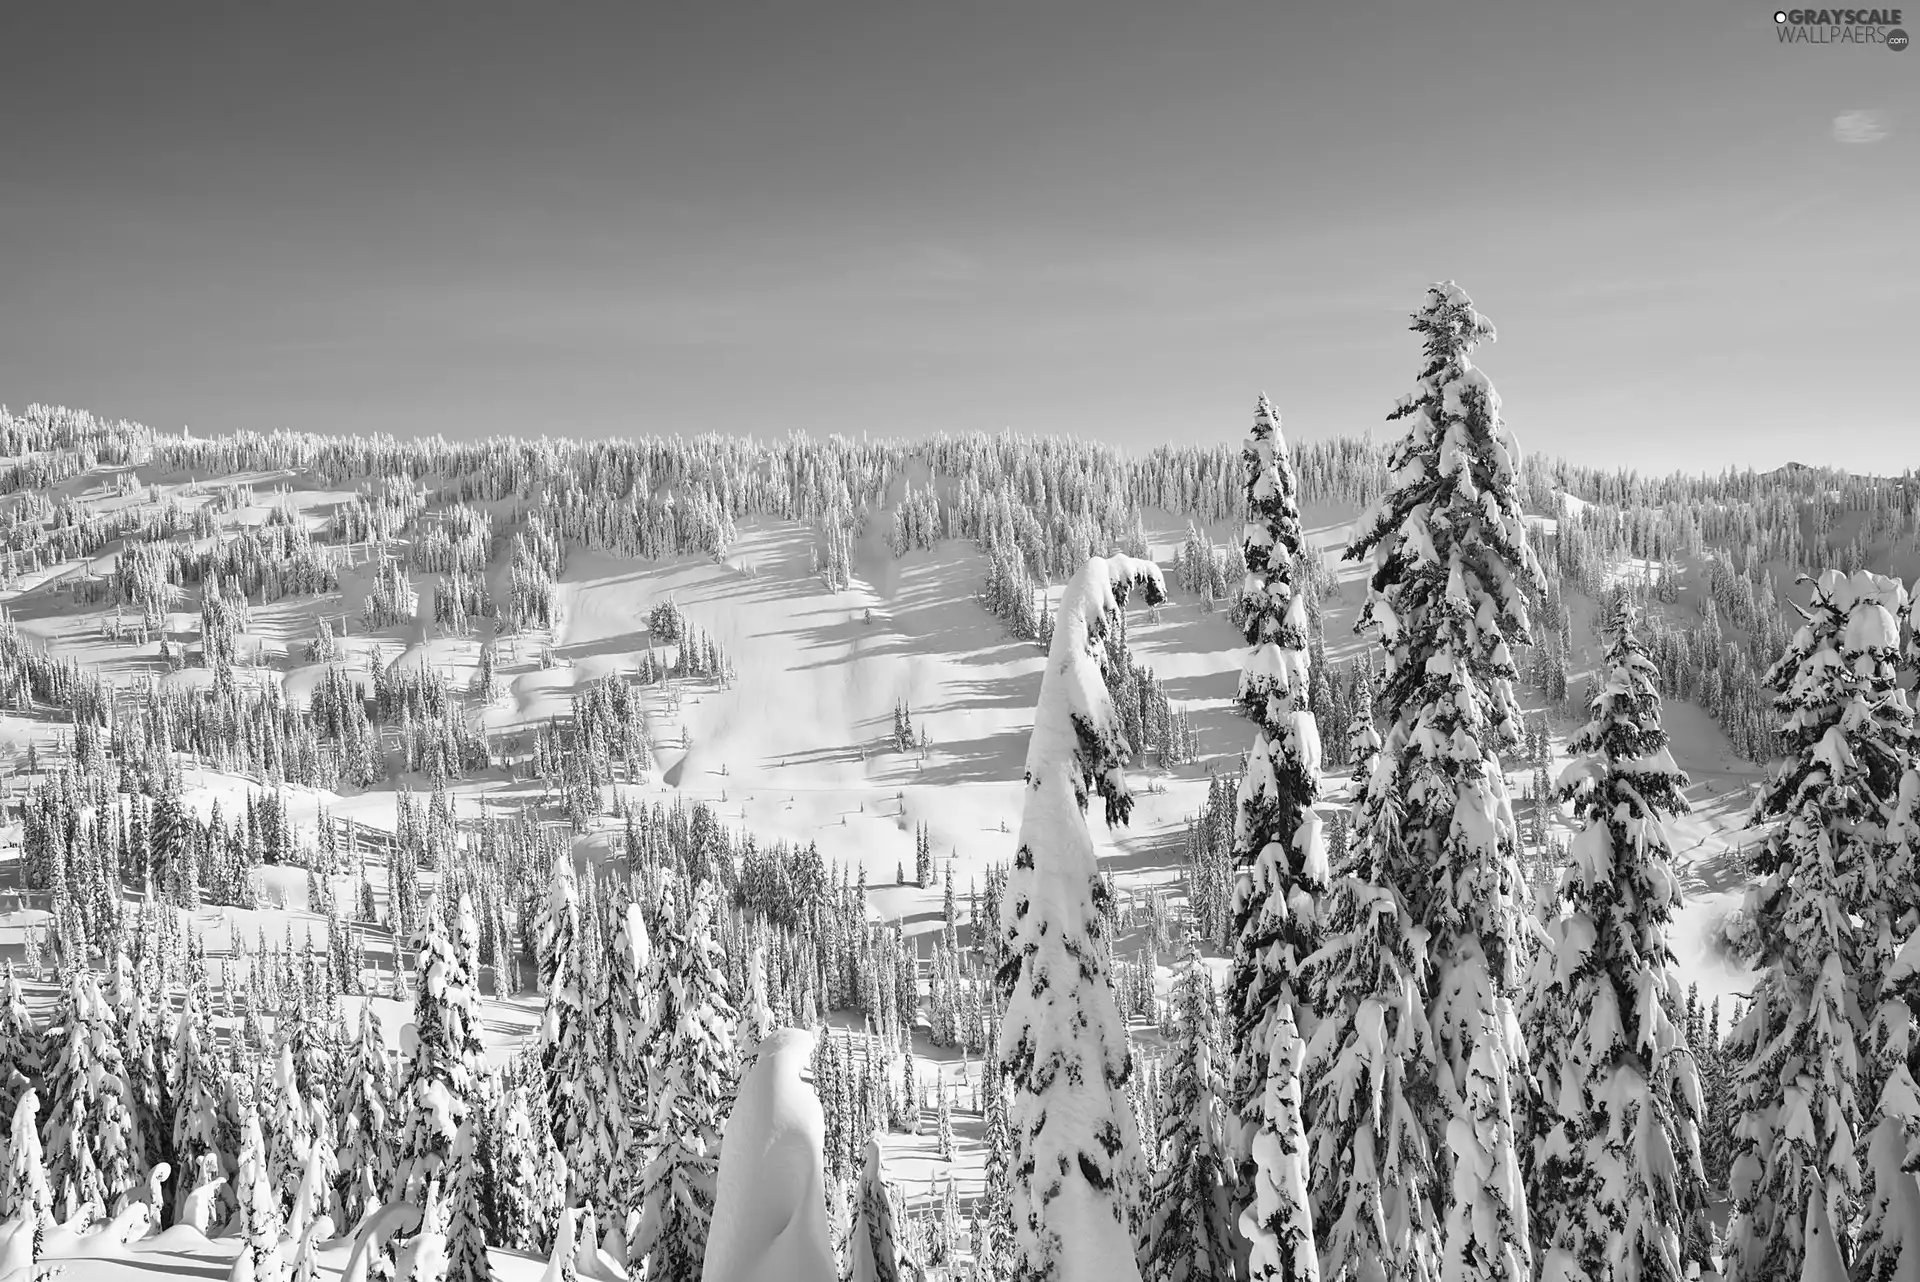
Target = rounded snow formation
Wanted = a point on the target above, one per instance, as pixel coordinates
(769, 1213)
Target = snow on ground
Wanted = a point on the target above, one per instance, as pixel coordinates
(799, 748)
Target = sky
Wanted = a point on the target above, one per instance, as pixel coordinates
(1118, 220)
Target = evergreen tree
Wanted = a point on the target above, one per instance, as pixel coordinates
(526, 1204)
(627, 1096)
(1888, 1235)
(874, 1251)
(91, 1142)
(689, 1071)
(1280, 867)
(1416, 1067)
(442, 1077)
(1618, 1192)
(1190, 1227)
(289, 1137)
(563, 1027)
(260, 1220)
(1828, 890)
(19, 1041)
(1363, 739)
(757, 1022)
(364, 1146)
(997, 1215)
(466, 1223)
(197, 1095)
(26, 1195)
(1063, 1044)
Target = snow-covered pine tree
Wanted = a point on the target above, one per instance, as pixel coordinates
(1280, 867)
(437, 1095)
(689, 1070)
(1416, 1064)
(1190, 1223)
(260, 1221)
(874, 1251)
(997, 1214)
(1617, 1189)
(1363, 739)
(1062, 1043)
(631, 1001)
(466, 1223)
(757, 1021)
(19, 1041)
(286, 1125)
(1809, 1085)
(524, 1209)
(364, 1144)
(197, 1093)
(1888, 1237)
(92, 1147)
(563, 1027)
(26, 1195)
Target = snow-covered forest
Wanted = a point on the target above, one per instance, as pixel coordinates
(977, 858)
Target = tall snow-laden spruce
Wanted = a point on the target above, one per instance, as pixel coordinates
(260, 1221)
(1418, 1056)
(288, 1134)
(1063, 1045)
(1617, 1191)
(563, 1027)
(437, 1098)
(364, 1143)
(1889, 1229)
(689, 1072)
(19, 1041)
(1363, 739)
(27, 1196)
(92, 1145)
(1190, 1226)
(631, 1000)
(197, 1093)
(1833, 882)
(1280, 868)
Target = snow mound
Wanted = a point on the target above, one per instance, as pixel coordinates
(769, 1214)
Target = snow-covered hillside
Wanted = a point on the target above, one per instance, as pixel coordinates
(347, 683)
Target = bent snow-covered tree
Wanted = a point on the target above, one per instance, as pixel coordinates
(1280, 866)
(1618, 1191)
(1417, 1059)
(1831, 884)
(769, 1207)
(1062, 1042)
(873, 1248)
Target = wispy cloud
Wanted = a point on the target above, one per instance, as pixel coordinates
(1856, 127)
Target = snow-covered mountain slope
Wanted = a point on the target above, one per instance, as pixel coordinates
(797, 746)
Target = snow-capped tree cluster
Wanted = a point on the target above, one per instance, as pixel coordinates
(1415, 1026)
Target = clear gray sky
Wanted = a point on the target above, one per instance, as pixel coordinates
(1121, 219)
